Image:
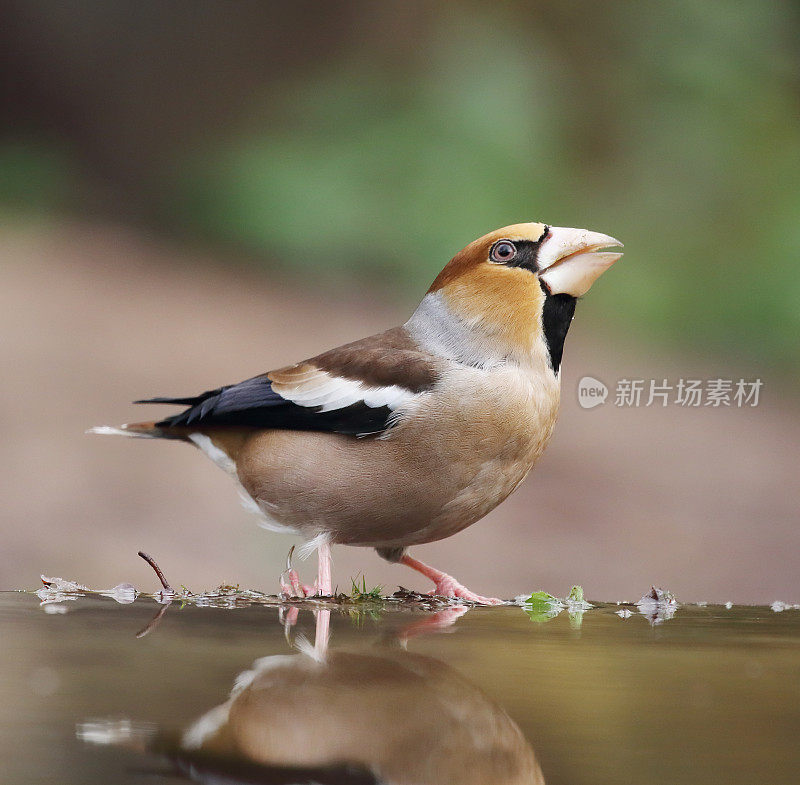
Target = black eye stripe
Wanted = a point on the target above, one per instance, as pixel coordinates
(526, 252)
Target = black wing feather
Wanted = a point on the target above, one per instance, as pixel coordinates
(253, 403)
(190, 401)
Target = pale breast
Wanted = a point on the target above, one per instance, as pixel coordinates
(489, 429)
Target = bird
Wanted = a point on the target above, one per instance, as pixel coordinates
(411, 435)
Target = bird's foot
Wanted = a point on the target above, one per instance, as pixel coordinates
(291, 586)
(448, 586)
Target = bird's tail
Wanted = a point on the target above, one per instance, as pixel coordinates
(138, 430)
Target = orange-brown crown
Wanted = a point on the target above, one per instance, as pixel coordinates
(476, 255)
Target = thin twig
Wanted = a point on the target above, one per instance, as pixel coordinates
(152, 562)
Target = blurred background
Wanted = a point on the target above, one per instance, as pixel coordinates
(195, 192)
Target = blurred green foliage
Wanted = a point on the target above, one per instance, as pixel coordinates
(36, 176)
(671, 126)
(685, 144)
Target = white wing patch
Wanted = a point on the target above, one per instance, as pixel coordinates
(335, 392)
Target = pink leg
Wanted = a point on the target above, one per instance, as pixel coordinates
(447, 585)
(324, 579)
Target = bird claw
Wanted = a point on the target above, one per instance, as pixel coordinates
(294, 588)
(447, 586)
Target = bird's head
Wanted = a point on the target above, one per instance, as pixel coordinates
(511, 294)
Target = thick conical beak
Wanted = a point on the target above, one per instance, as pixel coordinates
(571, 260)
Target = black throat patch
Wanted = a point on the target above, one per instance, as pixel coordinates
(557, 314)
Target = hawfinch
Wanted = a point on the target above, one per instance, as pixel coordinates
(413, 434)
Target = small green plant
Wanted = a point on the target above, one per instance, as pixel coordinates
(541, 606)
(363, 603)
(575, 594)
(362, 594)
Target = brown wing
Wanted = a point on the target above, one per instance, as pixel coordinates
(354, 389)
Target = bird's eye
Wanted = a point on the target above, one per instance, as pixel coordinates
(503, 252)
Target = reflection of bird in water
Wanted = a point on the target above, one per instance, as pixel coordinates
(336, 717)
(404, 718)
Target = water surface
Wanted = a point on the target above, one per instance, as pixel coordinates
(711, 695)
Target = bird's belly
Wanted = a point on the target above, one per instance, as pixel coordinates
(477, 484)
(430, 477)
